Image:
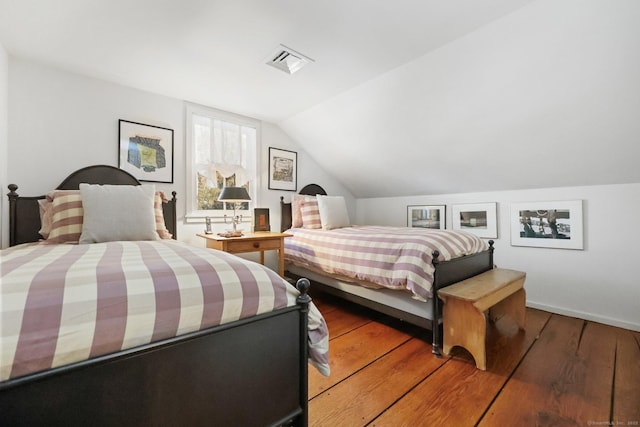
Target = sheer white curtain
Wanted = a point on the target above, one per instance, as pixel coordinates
(224, 147)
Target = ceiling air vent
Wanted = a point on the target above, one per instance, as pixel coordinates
(288, 60)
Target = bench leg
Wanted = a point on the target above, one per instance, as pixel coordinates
(513, 305)
(466, 327)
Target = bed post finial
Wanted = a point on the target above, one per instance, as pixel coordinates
(491, 249)
(285, 215)
(303, 286)
(12, 190)
(13, 197)
(434, 257)
(303, 301)
(435, 306)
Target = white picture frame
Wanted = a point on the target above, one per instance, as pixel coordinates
(555, 224)
(427, 216)
(476, 218)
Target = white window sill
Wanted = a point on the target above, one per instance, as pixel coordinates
(216, 218)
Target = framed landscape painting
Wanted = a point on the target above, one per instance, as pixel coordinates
(146, 151)
(477, 218)
(283, 169)
(547, 224)
(426, 216)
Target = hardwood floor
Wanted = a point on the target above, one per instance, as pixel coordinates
(560, 371)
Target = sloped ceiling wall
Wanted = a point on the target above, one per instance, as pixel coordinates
(213, 52)
(548, 96)
(545, 96)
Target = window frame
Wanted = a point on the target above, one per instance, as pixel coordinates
(194, 215)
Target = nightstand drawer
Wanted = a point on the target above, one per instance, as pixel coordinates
(250, 242)
(252, 245)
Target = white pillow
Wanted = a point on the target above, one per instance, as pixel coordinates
(333, 212)
(117, 212)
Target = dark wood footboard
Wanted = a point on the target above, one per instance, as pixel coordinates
(249, 372)
(446, 274)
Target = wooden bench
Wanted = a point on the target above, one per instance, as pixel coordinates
(466, 304)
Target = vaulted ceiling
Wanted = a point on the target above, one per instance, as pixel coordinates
(403, 97)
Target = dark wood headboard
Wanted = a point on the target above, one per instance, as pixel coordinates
(24, 212)
(285, 208)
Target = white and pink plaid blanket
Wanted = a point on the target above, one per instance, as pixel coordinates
(390, 257)
(67, 303)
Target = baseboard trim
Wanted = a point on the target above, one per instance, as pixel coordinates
(586, 316)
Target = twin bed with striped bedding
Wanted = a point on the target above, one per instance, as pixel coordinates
(382, 257)
(143, 331)
(394, 270)
(64, 303)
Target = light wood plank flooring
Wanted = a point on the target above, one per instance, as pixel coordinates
(560, 371)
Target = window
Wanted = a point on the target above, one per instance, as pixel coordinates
(221, 151)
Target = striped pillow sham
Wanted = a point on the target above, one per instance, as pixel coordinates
(310, 215)
(161, 227)
(296, 208)
(66, 217)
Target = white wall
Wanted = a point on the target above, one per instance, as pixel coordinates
(4, 112)
(60, 121)
(309, 172)
(547, 96)
(598, 283)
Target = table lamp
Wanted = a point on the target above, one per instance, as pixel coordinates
(235, 196)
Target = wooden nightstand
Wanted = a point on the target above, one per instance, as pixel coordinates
(251, 242)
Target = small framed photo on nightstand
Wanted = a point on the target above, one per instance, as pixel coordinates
(261, 219)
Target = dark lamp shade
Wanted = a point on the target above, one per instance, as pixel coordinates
(234, 194)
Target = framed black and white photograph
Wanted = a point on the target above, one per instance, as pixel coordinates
(426, 216)
(146, 151)
(547, 224)
(283, 169)
(261, 219)
(477, 218)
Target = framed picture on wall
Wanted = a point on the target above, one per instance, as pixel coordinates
(547, 224)
(146, 151)
(427, 216)
(283, 169)
(477, 218)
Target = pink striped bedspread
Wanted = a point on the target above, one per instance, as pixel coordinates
(67, 303)
(389, 257)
